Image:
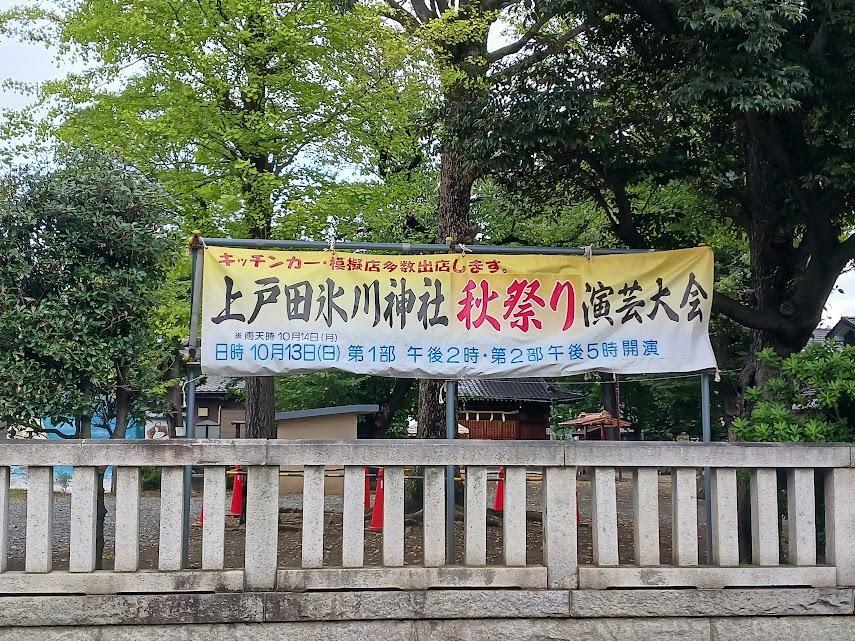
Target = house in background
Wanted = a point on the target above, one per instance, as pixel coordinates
(323, 423)
(220, 410)
(509, 408)
(842, 332)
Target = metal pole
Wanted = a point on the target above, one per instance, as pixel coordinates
(192, 373)
(707, 430)
(409, 248)
(450, 431)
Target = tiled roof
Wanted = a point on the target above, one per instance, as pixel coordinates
(516, 389)
(841, 327)
(820, 334)
(220, 385)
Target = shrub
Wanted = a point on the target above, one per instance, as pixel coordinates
(150, 478)
(809, 398)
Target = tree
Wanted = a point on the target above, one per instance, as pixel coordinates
(747, 100)
(456, 35)
(85, 251)
(232, 104)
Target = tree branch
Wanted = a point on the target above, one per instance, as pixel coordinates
(401, 16)
(423, 13)
(750, 317)
(553, 48)
(53, 430)
(514, 47)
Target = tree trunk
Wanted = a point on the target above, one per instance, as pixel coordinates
(123, 409)
(260, 422)
(771, 237)
(101, 517)
(260, 408)
(773, 263)
(431, 411)
(743, 512)
(85, 432)
(85, 426)
(611, 404)
(455, 192)
(397, 397)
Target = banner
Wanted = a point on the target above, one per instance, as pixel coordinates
(455, 315)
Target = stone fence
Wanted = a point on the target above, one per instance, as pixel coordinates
(803, 465)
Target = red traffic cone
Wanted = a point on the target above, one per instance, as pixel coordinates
(499, 500)
(377, 514)
(367, 490)
(201, 519)
(237, 493)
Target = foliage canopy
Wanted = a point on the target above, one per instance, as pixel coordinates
(86, 246)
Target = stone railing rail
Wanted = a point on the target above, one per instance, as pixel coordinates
(558, 461)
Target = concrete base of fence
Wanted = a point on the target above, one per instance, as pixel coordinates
(427, 615)
(601, 578)
(682, 629)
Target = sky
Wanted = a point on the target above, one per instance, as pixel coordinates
(33, 63)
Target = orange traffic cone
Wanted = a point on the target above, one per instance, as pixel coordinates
(237, 493)
(367, 490)
(377, 514)
(499, 500)
(201, 519)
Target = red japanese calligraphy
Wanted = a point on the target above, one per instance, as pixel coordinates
(474, 306)
(564, 289)
(519, 305)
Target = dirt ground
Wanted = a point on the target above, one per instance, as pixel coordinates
(290, 532)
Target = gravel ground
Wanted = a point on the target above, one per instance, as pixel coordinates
(290, 533)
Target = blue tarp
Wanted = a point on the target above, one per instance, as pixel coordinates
(62, 473)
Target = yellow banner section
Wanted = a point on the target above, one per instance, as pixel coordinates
(455, 315)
